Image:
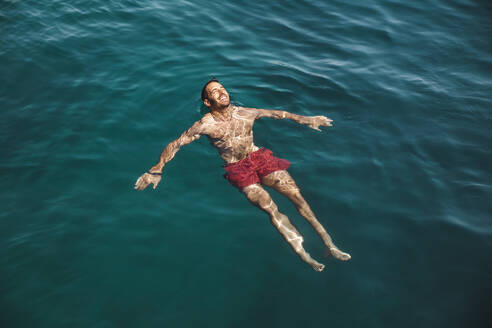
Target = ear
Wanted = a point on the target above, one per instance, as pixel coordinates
(206, 102)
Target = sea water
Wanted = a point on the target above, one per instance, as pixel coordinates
(91, 92)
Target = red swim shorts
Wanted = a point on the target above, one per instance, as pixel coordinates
(255, 166)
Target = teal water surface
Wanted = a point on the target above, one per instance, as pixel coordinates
(91, 92)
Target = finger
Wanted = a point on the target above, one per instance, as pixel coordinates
(142, 184)
(137, 183)
(317, 129)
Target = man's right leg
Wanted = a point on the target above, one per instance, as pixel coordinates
(260, 198)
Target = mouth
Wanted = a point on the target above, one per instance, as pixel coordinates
(222, 98)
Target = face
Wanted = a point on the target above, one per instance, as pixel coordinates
(217, 95)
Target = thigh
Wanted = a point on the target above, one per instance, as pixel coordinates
(280, 181)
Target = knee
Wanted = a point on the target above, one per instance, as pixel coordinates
(259, 197)
(267, 205)
(295, 195)
(299, 201)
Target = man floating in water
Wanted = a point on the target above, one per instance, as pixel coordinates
(230, 130)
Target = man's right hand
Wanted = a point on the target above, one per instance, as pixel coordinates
(146, 179)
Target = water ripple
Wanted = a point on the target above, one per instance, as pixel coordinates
(94, 90)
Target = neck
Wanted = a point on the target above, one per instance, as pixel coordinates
(222, 113)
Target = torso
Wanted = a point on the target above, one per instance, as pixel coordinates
(233, 138)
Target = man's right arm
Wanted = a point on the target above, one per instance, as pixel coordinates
(168, 154)
(172, 148)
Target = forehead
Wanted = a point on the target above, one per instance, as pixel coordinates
(214, 85)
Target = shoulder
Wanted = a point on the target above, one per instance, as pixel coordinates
(203, 125)
(246, 112)
(206, 120)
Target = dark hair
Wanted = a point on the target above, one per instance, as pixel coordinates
(204, 90)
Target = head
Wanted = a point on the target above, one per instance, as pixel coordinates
(214, 95)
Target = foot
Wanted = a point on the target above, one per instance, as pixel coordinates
(318, 266)
(338, 254)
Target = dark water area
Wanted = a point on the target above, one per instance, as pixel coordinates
(91, 91)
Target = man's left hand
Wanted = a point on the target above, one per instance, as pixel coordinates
(315, 121)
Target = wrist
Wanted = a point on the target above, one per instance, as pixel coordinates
(154, 173)
(155, 170)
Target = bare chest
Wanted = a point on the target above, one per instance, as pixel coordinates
(231, 129)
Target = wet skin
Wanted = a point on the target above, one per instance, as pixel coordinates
(229, 129)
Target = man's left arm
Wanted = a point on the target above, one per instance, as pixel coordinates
(312, 121)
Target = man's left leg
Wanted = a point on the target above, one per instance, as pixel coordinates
(285, 184)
